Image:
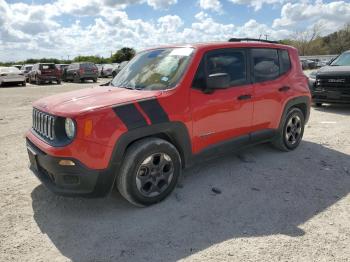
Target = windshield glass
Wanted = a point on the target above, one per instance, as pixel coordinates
(158, 69)
(342, 60)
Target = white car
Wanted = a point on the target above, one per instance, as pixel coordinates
(11, 75)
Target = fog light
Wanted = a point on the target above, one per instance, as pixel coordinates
(66, 163)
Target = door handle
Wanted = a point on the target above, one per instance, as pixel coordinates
(244, 97)
(284, 88)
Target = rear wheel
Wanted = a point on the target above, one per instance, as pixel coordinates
(24, 83)
(37, 80)
(58, 82)
(291, 133)
(149, 172)
(95, 80)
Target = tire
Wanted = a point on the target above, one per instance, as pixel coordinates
(58, 82)
(318, 104)
(291, 133)
(37, 81)
(24, 83)
(95, 80)
(146, 160)
(76, 79)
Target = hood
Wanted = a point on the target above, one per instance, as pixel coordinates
(334, 71)
(89, 99)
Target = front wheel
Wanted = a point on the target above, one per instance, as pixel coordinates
(149, 172)
(291, 133)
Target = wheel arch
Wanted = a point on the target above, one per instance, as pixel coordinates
(301, 102)
(175, 133)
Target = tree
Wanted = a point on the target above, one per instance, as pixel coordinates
(304, 40)
(124, 54)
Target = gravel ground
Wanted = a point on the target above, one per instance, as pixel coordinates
(272, 207)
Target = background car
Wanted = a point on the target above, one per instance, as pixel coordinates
(99, 69)
(11, 75)
(106, 70)
(61, 68)
(17, 66)
(117, 69)
(25, 69)
(44, 72)
(79, 72)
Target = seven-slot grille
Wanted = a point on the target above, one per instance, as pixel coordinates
(44, 124)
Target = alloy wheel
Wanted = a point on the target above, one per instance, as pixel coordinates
(155, 174)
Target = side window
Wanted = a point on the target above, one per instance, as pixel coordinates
(231, 62)
(265, 64)
(284, 61)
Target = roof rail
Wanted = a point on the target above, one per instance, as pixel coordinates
(252, 40)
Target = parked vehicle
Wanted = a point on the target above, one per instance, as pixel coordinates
(80, 72)
(308, 64)
(99, 69)
(106, 70)
(118, 68)
(61, 69)
(331, 84)
(25, 69)
(43, 73)
(169, 107)
(17, 66)
(11, 75)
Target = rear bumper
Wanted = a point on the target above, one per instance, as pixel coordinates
(48, 78)
(77, 180)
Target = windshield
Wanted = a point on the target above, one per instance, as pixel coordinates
(158, 69)
(342, 60)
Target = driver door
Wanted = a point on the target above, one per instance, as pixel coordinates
(221, 114)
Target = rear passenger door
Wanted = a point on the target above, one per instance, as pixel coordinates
(270, 86)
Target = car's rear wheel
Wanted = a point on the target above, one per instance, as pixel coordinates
(37, 81)
(58, 82)
(24, 83)
(95, 80)
(149, 172)
(291, 133)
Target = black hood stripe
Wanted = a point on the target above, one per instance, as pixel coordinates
(154, 111)
(130, 115)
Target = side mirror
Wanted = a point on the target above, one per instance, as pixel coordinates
(218, 81)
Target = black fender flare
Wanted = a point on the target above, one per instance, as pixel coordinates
(296, 102)
(176, 132)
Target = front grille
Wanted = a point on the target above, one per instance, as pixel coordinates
(44, 124)
(333, 82)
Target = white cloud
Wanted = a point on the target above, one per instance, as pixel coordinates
(332, 15)
(257, 4)
(211, 5)
(161, 4)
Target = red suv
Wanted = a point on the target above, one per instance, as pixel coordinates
(168, 108)
(44, 72)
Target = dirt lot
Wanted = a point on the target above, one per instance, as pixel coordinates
(273, 206)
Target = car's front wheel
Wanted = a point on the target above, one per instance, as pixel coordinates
(149, 172)
(291, 133)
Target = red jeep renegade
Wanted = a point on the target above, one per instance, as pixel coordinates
(169, 107)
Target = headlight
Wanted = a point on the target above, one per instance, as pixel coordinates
(69, 126)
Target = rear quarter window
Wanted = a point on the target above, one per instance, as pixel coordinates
(284, 61)
(265, 64)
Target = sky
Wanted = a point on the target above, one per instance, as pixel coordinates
(67, 28)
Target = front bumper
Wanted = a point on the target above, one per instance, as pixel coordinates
(326, 96)
(77, 180)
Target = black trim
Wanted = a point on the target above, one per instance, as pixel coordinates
(130, 116)
(297, 101)
(175, 131)
(154, 111)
